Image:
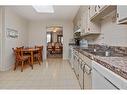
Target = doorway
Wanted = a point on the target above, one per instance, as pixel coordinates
(54, 41)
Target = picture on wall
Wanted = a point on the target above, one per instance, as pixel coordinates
(12, 33)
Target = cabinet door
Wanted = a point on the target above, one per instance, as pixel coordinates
(101, 7)
(99, 81)
(82, 24)
(122, 13)
(93, 10)
(86, 22)
(92, 27)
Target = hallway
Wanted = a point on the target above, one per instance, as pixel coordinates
(55, 73)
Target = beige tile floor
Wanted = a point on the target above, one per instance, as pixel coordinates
(52, 74)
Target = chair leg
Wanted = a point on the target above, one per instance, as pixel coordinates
(39, 61)
(22, 66)
(15, 66)
(30, 63)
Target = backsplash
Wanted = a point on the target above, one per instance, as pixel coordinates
(117, 49)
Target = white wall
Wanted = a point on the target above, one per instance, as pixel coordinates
(37, 34)
(112, 33)
(0, 37)
(13, 21)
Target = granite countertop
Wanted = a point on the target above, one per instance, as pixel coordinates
(116, 64)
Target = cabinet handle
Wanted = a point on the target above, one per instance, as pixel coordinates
(89, 71)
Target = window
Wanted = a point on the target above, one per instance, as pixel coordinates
(49, 37)
(60, 38)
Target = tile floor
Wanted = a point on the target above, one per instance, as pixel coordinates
(52, 74)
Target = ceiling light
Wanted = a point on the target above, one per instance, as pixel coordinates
(44, 9)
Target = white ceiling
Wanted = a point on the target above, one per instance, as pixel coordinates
(63, 12)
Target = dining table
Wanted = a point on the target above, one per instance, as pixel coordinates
(31, 52)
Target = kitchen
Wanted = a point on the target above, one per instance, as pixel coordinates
(99, 62)
(94, 52)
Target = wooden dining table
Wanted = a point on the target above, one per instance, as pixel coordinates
(31, 52)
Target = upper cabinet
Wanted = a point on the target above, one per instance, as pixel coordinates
(101, 11)
(122, 14)
(100, 8)
(87, 27)
(93, 10)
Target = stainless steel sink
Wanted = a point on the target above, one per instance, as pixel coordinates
(103, 53)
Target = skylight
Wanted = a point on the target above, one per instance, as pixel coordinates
(43, 8)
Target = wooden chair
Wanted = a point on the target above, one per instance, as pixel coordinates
(40, 51)
(50, 48)
(37, 56)
(19, 58)
(58, 48)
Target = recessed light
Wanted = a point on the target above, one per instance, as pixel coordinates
(44, 9)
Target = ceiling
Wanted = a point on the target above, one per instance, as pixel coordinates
(63, 12)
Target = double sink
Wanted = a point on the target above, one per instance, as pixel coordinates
(102, 53)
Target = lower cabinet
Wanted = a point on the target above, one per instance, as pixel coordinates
(92, 75)
(100, 82)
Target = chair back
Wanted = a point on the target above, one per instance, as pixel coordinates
(49, 45)
(18, 55)
(40, 48)
(57, 45)
(20, 47)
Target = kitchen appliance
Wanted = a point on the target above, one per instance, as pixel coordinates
(77, 38)
(83, 43)
(77, 41)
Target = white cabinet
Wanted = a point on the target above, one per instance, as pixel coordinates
(100, 82)
(87, 77)
(92, 27)
(89, 27)
(106, 78)
(93, 10)
(122, 14)
(101, 11)
(101, 7)
(76, 67)
(85, 22)
(71, 59)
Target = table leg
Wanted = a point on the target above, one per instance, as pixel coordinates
(32, 58)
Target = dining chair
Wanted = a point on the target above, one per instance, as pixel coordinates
(40, 52)
(50, 48)
(37, 56)
(58, 48)
(20, 58)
